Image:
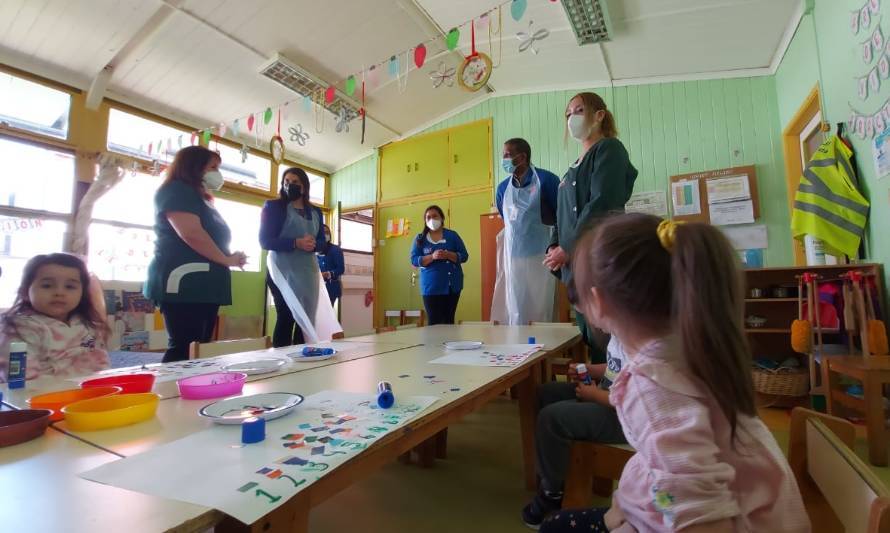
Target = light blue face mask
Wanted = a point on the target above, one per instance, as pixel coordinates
(507, 165)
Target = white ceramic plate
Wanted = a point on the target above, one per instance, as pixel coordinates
(257, 366)
(300, 358)
(270, 406)
(463, 345)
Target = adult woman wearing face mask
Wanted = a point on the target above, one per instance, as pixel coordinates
(189, 277)
(292, 230)
(600, 182)
(438, 252)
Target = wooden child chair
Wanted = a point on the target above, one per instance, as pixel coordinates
(592, 469)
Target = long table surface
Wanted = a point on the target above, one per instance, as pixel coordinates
(408, 355)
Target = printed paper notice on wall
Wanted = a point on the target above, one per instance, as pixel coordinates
(653, 203)
(686, 198)
(730, 213)
(730, 189)
(881, 153)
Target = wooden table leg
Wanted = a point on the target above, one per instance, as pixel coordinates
(292, 517)
(829, 384)
(528, 410)
(874, 419)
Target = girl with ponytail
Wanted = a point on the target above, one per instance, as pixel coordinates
(673, 296)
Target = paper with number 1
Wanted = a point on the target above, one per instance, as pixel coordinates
(502, 355)
(211, 468)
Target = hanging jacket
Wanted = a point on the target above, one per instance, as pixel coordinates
(827, 205)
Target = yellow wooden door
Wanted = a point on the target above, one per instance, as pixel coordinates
(398, 283)
(415, 167)
(469, 155)
(396, 160)
(463, 217)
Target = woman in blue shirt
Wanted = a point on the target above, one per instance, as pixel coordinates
(332, 266)
(438, 253)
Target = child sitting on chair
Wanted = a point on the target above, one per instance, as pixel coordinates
(673, 295)
(59, 313)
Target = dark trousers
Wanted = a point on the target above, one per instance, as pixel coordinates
(595, 339)
(286, 332)
(187, 323)
(575, 520)
(440, 308)
(562, 419)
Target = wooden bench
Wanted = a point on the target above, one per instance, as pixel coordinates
(592, 469)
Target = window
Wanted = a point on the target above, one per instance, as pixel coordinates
(30, 106)
(357, 231)
(146, 139)
(244, 221)
(33, 177)
(21, 238)
(254, 171)
(131, 201)
(120, 253)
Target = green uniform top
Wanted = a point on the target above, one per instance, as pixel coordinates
(178, 274)
(599, 183)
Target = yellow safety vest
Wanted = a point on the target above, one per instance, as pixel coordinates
(827, 205)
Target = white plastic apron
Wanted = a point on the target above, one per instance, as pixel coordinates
(297, 276)
(528, 285)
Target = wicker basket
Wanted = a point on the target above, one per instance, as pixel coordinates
(781, 382)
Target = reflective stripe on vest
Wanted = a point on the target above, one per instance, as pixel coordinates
(827, 205)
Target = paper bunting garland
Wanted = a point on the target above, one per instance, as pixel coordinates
(517, 9)
(350, 85)
(307, 103)
(267, 116)
(236, 127)
(873, 46)
(250, 121)
(867, 126)
(443, 76)
(342, 121)
(419, 55)
(206, 137)
(373, 77)
(297, 134)
(393, 67)
(244, 153)
(329, 94)
(861, 19)
(221, 129)
(527, 39)
(452, 39)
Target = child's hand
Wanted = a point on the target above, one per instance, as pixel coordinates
(586, 393)
(614, 518)
(572, 373)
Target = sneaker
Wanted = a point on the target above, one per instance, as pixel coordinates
(539, 508)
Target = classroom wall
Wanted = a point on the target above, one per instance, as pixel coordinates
(839, 52)
(356, 184)
(669, 129)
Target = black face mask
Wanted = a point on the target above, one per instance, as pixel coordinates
(294, 191)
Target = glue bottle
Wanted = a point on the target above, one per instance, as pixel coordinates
(583, 374)
(385, 397)
(18, 355)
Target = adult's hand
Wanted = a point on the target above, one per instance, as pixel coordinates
(326, 275)
(441, 254)
(305, 243)
(556, 258)
(238, 260)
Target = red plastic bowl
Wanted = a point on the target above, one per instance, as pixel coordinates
(129, 383)
(17, 427)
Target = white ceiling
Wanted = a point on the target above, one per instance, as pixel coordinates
(199, 64)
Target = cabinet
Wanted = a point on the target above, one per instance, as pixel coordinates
(450, 160)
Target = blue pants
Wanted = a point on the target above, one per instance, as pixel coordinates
(576, 520)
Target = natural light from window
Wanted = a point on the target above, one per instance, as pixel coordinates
(21, 238)
(32, 177)
(131, 201)
(139, 137)
(356, 236)
(30, 106)
(244, 221)
(254, 172)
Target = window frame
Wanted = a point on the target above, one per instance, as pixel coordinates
(13, 131)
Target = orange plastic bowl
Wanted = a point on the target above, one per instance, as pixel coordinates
(55, 401)
(130, 383)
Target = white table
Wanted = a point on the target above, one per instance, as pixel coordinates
(178, 418)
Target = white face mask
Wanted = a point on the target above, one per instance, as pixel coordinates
(578, 128)
(434, 224)
(213, 180)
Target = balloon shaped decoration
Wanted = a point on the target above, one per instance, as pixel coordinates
(452, 39)
(329, 94)
(373, 77)
(267, 115)
(393, 66)
(350, 85)
(206, 137)
(517, 9)
(419, 55)
(222, 129)
(307, 103)
(250, 121)
(236, 127)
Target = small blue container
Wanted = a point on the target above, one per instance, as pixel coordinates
(531, 340)
(385, 397)
(253, 430)
(309, 351)
(18, 363)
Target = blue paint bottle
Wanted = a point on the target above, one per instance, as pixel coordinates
(385, 397)
(18, 359)
(583, 374)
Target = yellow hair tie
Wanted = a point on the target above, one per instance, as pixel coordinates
(667, 231)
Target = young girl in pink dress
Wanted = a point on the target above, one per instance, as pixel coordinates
(59, 313)
(673, 295)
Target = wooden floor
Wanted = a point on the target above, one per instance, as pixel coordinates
(479, 487)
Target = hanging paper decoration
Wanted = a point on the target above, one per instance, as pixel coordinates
(150, 146)
(443, 75)
(155, 168)
(373, 77)
(393, 67)
(419, 55)
(864, 18)
(222, 129)
(361, 111)
(342, 121)
(452, 39)
(474, 72)
(194, 138)
(854, 26)
(297, 134)
(350, 85)
(250, 122)
(245, 151)
(267, 115)
(180, 141)
(329, 94)
(276, 145)
(170, 145)
(482, 21)
(869, 125)
(863, 88)
(307, 103)
(500, 35)
(884, 67)
(205, 136)
(527, 39)
(236, 127)
(874, 81)
(517, 9)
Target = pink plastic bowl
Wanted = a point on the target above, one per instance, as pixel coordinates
(214, 385)
(130, 383)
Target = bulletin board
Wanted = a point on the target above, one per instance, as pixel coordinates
(702, 179)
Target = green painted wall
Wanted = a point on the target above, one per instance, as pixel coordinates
(669, 129)
(839, 52)
(356, 184)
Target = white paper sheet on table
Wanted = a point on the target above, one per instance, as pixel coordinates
(247, 482)
(732, 213)
(489, 355)
(182, 369)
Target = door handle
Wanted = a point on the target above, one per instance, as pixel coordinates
(408, 167)
(413, 278)
(416, 166)
(455, 158)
